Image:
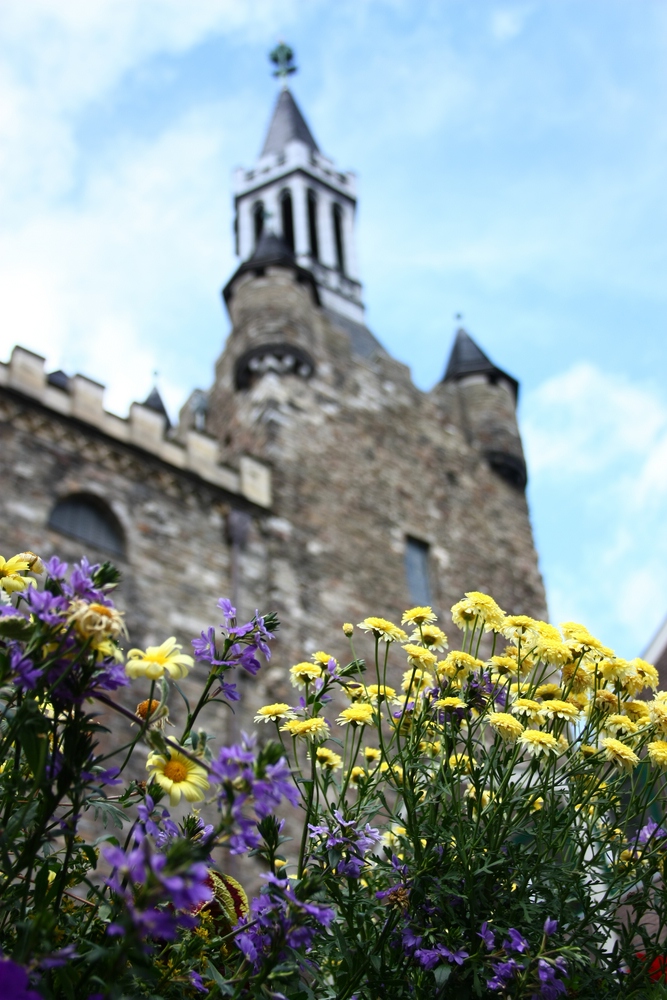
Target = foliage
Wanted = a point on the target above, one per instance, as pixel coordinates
(490, 829)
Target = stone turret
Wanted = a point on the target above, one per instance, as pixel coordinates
(485, 401)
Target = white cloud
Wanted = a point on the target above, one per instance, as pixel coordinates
(508, 22)
(596, 445)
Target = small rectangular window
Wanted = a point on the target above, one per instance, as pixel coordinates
(416, 571)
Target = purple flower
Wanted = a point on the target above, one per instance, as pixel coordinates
(504, 974)
(428, 958)
(25, 672)
(516, 941)
(81, 583)
(108, 777)
(550, 986)
(56, 569)
(227, 608)
(348, 841)
(45, 606)
(204, 648)
(59, 958)
(487, 936)
(14, 982)
(278, 919)
(651, 830)
(196, 980)
(550, 926)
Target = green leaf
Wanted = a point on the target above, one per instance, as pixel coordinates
(213, 973)
(442, 974)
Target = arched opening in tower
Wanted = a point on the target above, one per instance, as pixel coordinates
(258, 220)
(287, 218)
(338, 237)
(312, 224)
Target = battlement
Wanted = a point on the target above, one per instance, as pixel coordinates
(145, 428)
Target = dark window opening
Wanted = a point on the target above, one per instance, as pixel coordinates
(88, 519)
(287, 219)
(338, 237)
(417, 571)
(312, 225)
(258, 220)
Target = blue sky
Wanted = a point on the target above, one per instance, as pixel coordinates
(512, 167)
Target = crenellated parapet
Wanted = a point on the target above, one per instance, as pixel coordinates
(145, 428)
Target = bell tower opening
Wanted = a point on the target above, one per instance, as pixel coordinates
(287, 218)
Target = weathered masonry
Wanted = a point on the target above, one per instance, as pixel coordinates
(312, 478)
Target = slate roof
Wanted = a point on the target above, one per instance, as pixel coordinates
(272, 251)
(363, 341)
(154, 402)
(287, 123)
(469, 359)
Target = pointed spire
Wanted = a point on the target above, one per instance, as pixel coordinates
(287, 124)
(469, 359)
(154, 402)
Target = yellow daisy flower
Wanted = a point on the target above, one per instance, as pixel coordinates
(158, 660)
(417, 680)
(271, 713)
(418, 656)
(620, 725)
(348, 628)
(658, 710)
(480, 609)
(458, 664)
(431, 636)
(383, 629)
(418, 616)
(328, 760)
(96, 621)
(306, 729)
(302, 673)
(372, 754)
(323, 658)
(557, 709)
(526, 706)
(375, 692)
(638, 711)
(535, 742)
(504, 665)
(450, 703)
(506, 726)
(657, 752)
(460, 761)
(179, 776)
(548, 691)
(520, 627)
(10, 573)
(357, 715)
(620, 754)
(357, 775)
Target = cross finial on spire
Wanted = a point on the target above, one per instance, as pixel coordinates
(283, 57)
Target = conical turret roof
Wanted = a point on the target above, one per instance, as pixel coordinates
(469, 359)
(272, 251)
(154, 402)
(287, 124)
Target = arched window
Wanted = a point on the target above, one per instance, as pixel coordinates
(90, 520)
(287, 218)
(258, 220)
(338, 237)
(312, 224)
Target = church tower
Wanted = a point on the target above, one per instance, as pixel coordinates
(295, 192)
(383, 496)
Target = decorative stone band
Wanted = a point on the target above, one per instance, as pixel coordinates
(82, 399)
(283, 359)
(511, 468)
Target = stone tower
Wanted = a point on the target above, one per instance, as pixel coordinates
(313, 478)
(383, 496)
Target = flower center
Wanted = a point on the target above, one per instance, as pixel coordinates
(146, 707)
(175, 771)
